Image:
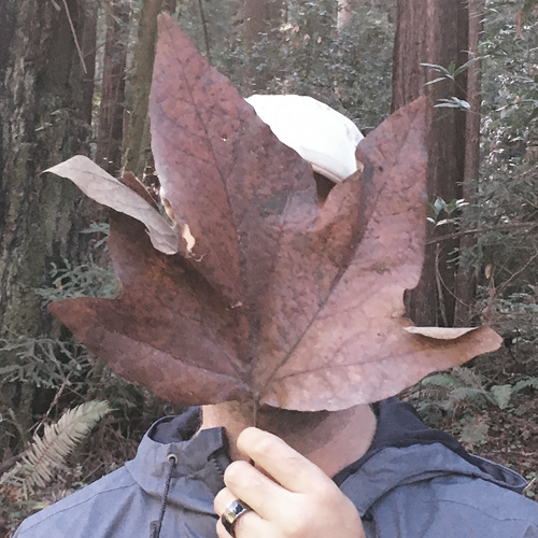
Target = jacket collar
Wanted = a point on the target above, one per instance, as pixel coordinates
(201, 461)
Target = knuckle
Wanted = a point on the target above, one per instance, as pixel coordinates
(264, 446)
(328, 493)
(256, 441)
(235, 471)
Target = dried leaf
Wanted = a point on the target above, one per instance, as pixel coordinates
(441, 333)
(130, 180)
(107, 190)
(356, 349)
(280, 300)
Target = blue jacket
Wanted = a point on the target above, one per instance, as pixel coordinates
(414, 482)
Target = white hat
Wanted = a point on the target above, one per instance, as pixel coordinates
(319, 134)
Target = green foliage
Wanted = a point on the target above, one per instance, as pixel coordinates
(47, 453)
(85, 280)
(472, 429)
(466, 385)
(465, 401)
(532, 482)
(452, 102)
(59, 372)
(349, 70)
(504, 208)
(464, 397)
(460, 385)
(43, 362)
(441, 212)
(451, 72)
(102, 228)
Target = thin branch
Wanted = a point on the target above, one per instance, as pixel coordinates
(518, 272)
(529, 225)
(206, 32)
(80, 55)
(438, 280)
(10, 462)
(59, 392)
(22, 432)
(469, 308)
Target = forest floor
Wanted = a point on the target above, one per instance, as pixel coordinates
(508, 436)
(512, 439)
(512, 436)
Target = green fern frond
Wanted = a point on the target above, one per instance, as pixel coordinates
(525, 383)
(469, 378)
(468, 393)
(459, 385)
(446, 381)
(47, 453)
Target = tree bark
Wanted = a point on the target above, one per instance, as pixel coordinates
(111, 112)
(260, 17)
(465, 285)
(435, 32)
(44, 111)
(137, 148)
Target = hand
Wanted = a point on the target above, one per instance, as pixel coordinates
(290, 497)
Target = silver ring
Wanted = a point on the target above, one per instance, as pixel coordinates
(231, 514)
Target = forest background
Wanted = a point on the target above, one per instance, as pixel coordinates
(74, 79)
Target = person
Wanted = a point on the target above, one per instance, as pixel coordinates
(363, 472)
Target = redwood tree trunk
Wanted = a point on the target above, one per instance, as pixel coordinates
(436, 32)
(260, 17)
(137, 140)
(110, 135)
(465, 285)
(44, 111)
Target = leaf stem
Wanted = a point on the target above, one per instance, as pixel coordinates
(255, 407)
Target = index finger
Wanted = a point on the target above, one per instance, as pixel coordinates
(284, 464)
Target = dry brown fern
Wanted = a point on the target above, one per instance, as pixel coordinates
(47, 453)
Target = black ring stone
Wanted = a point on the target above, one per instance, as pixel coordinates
(231, 514)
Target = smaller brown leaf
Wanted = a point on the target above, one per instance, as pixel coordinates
(131, 181)
(107, 190)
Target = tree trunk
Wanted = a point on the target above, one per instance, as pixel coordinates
(44, 111)
(465, 280)
(137, 145)
(110, 135)
(436, 32)
(261, 17)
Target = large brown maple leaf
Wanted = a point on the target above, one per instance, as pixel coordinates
(282, 299)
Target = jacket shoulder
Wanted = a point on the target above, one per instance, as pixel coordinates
(455, 505)
(85, 512)
(429, 491)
